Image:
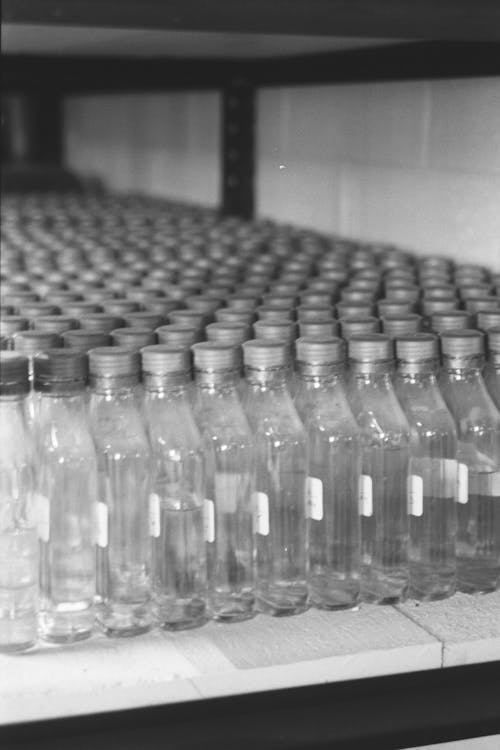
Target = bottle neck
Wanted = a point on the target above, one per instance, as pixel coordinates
(462, 368)
(221, 380)
(267, 378)
(319, 376)
(119, 387)
(362, 379)
(174, 383)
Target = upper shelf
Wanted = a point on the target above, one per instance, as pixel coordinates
(399, 19)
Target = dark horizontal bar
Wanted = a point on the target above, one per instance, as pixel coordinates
(419, 60)
(397, 711)
(404, 19)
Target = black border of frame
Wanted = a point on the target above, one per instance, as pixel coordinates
(396, 711)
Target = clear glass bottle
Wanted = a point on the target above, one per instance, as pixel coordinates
(281, 471)
(66, 493)
(228, 447)
(433, 479)
(478, 426)
(179, 577)
(492, 369)
(385, 469)
(18, 534)
(121, 511)
(334, 469)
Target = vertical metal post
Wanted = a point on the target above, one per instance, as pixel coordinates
(238, 148)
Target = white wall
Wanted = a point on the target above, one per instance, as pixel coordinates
(415, 163)
(162, 144)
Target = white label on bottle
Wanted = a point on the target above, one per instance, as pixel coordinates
(42, 510)
(314, 498)
(449, 473)
(261, 513)
(463, 483)
(226, 491)
(495, 484)
(209, 520)
(101, 524)
(415, 495)
(365, 495)
(154, 515)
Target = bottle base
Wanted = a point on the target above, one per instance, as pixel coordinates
(17, 648)
(65, 627)
(232, 607)
(331, 594)
(124, 622)
(176, 625)
(384, 588)
(229, 617)
(477, 577)
(427, 585)
(283, 600)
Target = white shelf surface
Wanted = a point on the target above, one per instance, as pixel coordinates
(265, 653)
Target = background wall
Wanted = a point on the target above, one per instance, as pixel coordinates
(162, 144)
(415, 163)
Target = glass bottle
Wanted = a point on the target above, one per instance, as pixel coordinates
(18, 534)
(67, 491)
(492, 369)
(385, 468)
(179, 579)
(228, 447)
(281, 471)
(433, 479)
(334, 468)
(121, 511)
(478, 426)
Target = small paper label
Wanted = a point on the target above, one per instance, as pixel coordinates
(495, 484)
(261, 511)
(101, 524)
(449, 472)
(365, 495)
(154, 515)
(43, 517)
(415, 495)
(209, 520)
(314, 498)
(462, 484)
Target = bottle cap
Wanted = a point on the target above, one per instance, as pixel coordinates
(212, 356)
(231, 315)
(308, 312)
(276, 330)
(204, 304)
(488, 319)
(439, 304)
(370, 348)
(165, 359)
(462, 344)
(264, 353)
(60, 366)
(79, 309)
(389, 307)
(450, 321)
(143, 320)
(119, 306)
(100, 296)
(321, 327)
(55, 323)
(320, 351)
(178, 335)
(12, 323)
(82, 340)
(32, 342)
(228, 333)
(63, 297)
(17, 299)
(398, 325)
(133, 338)
(14, 374)
(36, 309)
(101, 322)
(352, 326)
(115, 362)
(161, 306)
(487, 302)
(141, 295)
(417, 347)
(271, 299)
(275, 312)
(493, 336)
(354, 309)
(316, 299)
(192, 318)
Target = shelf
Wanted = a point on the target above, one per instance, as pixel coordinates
(260, 656)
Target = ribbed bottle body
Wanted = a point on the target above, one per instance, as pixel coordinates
(229, 466)
(382, 489)
(332, 488)
(18, 533)
(122, 514)
(432, 487)
(178, 574)
(279, 498)
(478, 494)
(67, 491)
